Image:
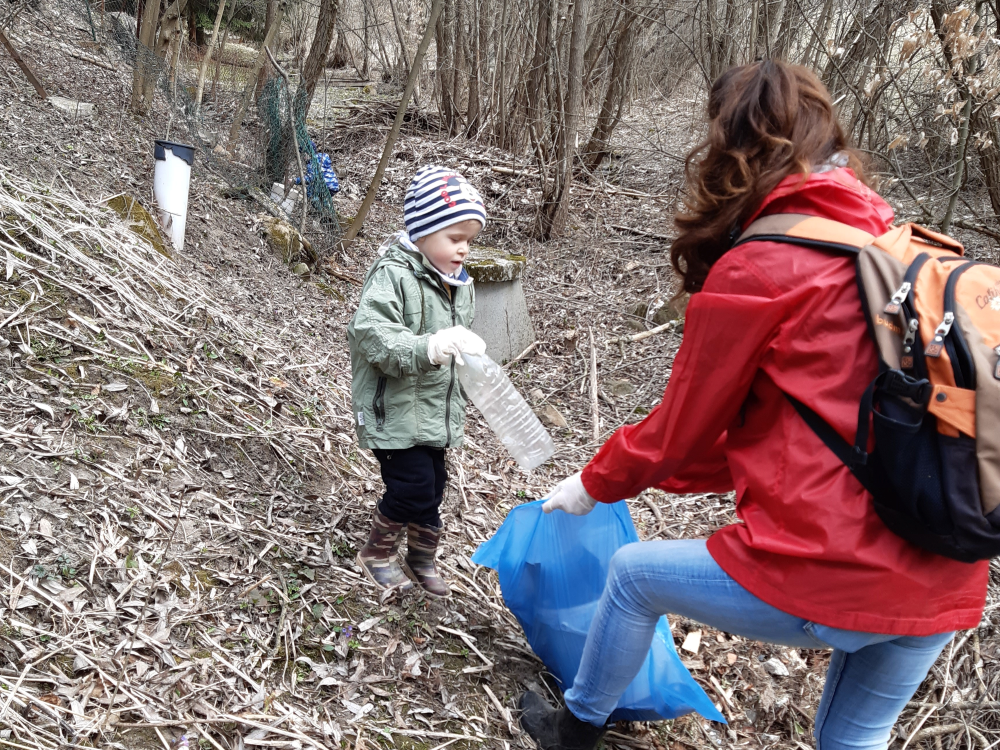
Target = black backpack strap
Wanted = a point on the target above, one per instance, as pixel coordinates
(854, 457)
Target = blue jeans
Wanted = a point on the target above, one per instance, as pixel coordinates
(871, 677)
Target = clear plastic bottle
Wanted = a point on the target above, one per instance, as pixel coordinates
(507, 414)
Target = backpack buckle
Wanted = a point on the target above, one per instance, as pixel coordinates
(896, 383)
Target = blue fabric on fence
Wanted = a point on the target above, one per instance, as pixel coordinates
(325, 163)
(552, 571)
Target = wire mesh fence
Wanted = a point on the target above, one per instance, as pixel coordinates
(249, 127)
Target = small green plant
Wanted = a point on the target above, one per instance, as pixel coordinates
(342, 549)
(132, 512)
(66, 569)
(157, 421)
(91, 424)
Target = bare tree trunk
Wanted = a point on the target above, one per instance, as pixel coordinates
(476, 44)
(264, 72)
(404, 52)
(443, 39)
(175, 59)
(390, 141)
(342, 55)
(222, 51)
(818, 43)
(196, 36)
(600, 37)
(989, 155)
(318, 52)
(241, 110)
(557, 208)
(503, 53)
(959, 176)
(539, 64)
(208, 54)
(144, 72)
(364, 63)
(459, 75)
(616, 95)
(754, 31)
(171, 26)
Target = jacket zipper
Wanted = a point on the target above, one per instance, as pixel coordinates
(451, 382)
(378, 404)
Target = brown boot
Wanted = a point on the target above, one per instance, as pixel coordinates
(378, 557)
(421, 545)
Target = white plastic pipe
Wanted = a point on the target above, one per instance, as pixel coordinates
(171, 183)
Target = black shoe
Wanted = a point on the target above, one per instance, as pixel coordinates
(556, 728)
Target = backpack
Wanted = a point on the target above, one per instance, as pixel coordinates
(934, 408)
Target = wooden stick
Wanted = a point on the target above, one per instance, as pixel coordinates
(23, 66)
(333, 270)
(594, 407)
(645, 334)
(92, 61)
(641, 232)
(522, 355)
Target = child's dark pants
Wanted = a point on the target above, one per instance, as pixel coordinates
(414, 484)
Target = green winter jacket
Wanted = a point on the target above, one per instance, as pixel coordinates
(400, 399)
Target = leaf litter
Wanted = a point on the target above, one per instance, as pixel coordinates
(177, 535)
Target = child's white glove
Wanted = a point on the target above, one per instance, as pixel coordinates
(453, 342)
(570, 496)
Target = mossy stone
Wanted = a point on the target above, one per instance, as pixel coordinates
(140, 221)
(284, 238)
(490, 265)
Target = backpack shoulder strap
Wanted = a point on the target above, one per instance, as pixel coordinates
(806, 231)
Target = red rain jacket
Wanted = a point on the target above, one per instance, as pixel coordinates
(771, 319)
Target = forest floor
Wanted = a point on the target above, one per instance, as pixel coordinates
(176, 450)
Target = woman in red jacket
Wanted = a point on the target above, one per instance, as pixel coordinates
(811, 565)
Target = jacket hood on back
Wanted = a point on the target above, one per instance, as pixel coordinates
(836, 194)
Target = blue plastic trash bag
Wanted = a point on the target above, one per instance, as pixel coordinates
(552, 573)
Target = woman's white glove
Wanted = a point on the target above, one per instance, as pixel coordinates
(569, 496)
(453, 342)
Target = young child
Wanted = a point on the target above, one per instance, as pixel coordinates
(410, 328)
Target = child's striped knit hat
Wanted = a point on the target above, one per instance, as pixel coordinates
(437, 198)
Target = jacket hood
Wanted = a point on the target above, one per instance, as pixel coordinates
(835, 194)
(400, 246)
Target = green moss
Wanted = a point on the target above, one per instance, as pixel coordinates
(490, 265)
(139, 220)
(329, 290)
(206, 579)
(155, 379)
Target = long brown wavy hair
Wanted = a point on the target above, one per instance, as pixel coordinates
(767, 120)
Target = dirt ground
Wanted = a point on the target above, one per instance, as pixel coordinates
(176, 450)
